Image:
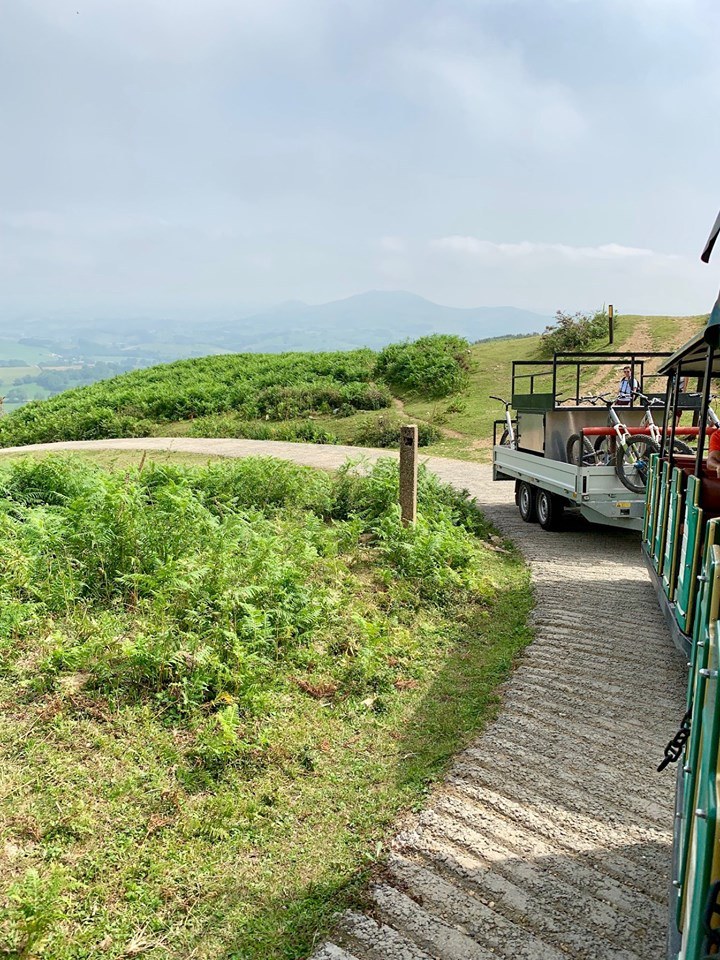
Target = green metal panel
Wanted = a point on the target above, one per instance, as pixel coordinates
(700, 760)
(651, 500)
(533, 401)
(690, 555)
(700, 869)
(661, 521)
(672, 551)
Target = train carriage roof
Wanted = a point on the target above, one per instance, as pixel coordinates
(692, 356)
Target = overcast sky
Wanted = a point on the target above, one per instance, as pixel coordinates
(204, 155)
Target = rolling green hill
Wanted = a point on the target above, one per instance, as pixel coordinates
(349, 397)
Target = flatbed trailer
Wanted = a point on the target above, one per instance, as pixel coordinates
(594, 492)
(546, 484)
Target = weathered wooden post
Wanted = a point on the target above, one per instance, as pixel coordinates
(408, 473)
(611, 317)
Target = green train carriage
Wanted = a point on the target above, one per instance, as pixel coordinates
(681, 546)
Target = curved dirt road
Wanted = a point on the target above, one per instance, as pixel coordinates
(551, 836)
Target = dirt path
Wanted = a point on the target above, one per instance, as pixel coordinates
(550, 838)
(472, 442)
(607, 377)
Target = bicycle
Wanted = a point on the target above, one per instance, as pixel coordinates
(508, 438)
(632, 453)
(679, 446)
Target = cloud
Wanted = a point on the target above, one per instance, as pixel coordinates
(492, 90)
(486, 249)
(392, 245)
(183, 31)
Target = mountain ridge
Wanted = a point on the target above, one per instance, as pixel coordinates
(373, 319)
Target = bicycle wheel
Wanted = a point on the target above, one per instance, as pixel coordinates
(589, 457)
(633, 460)
(505, 439)
(681, 447)
(604, 450)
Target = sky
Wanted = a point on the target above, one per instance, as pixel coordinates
(211, 156)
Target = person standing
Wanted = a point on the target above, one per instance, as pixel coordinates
(628, 386)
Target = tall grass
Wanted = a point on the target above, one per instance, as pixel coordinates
(199, 582)
(220, 684)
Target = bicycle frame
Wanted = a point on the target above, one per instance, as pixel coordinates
(648, 420)
(512, 440)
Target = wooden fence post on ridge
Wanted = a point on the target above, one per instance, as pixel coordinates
(408, 474)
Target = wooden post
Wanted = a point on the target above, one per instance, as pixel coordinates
(408, 473)
(611, 317)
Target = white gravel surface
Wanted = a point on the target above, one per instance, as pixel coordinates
(551, 836)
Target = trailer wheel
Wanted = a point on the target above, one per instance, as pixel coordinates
(526, 502)
(549, 509)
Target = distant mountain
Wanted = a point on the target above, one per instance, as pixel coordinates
(371, 319)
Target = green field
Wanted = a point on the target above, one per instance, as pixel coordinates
(12, 350)
(220, 684)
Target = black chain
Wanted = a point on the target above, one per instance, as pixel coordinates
(711, 944)
(673, 751)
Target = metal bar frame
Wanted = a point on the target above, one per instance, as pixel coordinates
(673, 416)
(702, 425)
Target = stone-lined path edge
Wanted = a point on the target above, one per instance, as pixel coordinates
(551, 836)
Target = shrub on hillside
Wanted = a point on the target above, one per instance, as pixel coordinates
(384, 431)
(434, 366)
(574, 331)
(287, 403)
(224, 425)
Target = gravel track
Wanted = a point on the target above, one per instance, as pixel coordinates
(551, 836)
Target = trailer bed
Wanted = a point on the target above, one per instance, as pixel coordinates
(595, 491)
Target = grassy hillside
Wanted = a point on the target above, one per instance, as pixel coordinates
(218, 687)
(466, 418)
(352, 397)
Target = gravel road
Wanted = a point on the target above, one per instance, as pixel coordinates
(551, 836)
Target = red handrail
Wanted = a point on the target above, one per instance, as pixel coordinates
(609, 431)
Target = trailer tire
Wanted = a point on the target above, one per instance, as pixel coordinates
(549, 509)
(527, 502)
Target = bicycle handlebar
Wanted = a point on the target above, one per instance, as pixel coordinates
(505, 403)
(655, 402)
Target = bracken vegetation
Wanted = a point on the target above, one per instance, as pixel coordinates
(252, 395)
(434, 366)
(218, 686)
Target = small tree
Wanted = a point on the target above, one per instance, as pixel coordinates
(574, 331)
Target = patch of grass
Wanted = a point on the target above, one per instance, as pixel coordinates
(219, 686)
